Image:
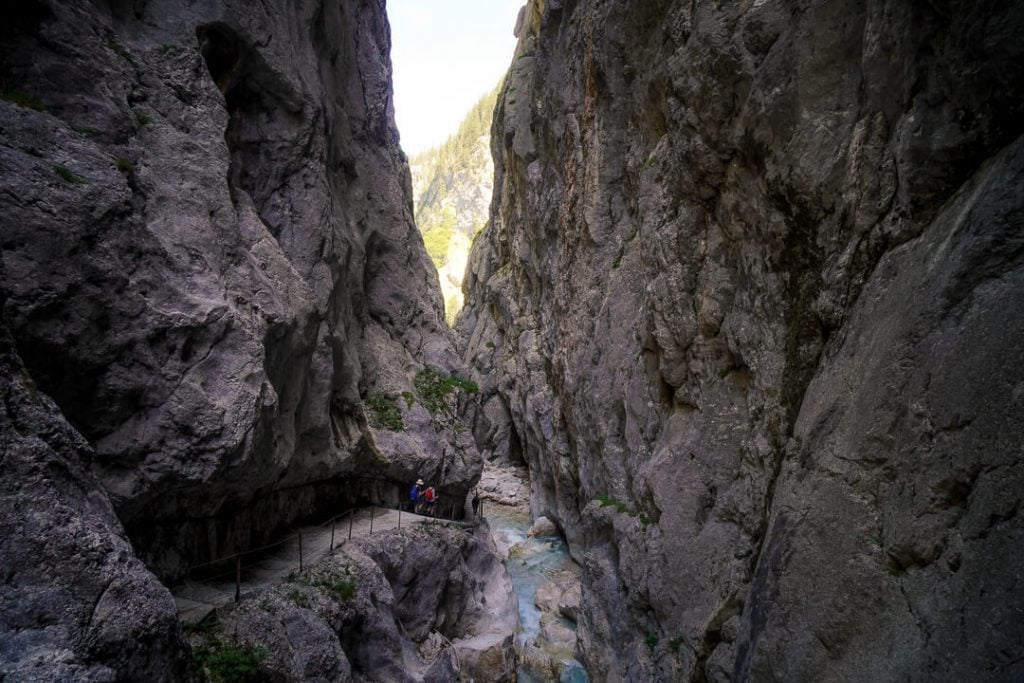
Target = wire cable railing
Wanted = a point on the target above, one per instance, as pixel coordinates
(436, 515)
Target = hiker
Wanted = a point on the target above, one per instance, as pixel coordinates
(416, 496)
(476, 503)
(430, 495)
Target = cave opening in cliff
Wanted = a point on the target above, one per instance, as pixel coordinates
(221, 48)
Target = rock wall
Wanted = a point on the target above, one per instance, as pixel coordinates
(749, 307)
(424, 603)
(211, 261)
(75, 603)
(208, 262)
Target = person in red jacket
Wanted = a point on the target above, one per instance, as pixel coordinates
(430, 495)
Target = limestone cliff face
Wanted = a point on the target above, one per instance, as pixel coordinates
(208, 261)
(753, 279)
(211, 260)
(75, 603)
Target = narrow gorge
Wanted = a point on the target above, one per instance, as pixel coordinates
(747, 309)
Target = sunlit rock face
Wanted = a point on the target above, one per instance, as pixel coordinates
(211, 261)
(753, 279)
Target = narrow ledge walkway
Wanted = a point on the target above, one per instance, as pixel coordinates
(197, 598)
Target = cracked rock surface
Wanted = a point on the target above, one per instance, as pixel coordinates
(208, 262)
(211, 262)
(75, 602)
(749, 308)
(425, 603)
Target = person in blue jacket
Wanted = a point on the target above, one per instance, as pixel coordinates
(416, 496)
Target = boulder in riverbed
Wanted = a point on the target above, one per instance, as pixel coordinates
(542, 526)
(557, 639)
(569, 602)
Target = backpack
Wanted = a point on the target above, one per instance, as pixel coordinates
(430, 495)
(414, 494)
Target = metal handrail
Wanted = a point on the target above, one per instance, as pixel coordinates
(237, 556)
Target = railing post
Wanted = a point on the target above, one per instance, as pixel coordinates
(371, 520)
(351, 514)
(238, 578)
(452, 516)
(332, 535)
(399, 515)
(300, 551)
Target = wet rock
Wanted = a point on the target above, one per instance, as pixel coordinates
(538, 663)
(569, 601)
(557, 640)
(561, 595)
(542, 526)
(505, 484)
(446, 580)
(547, 597)
(488, 657)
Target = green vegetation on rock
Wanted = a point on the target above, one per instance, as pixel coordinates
(21, 99)
(439, 235)
(452, 194)
(67, 175)
(608, 501)
(452, 182)
(299, 598)
(383, 411)
(222, 662)
(339, 586)
(436, 392)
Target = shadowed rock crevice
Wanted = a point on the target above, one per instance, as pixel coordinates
(77, 604)
(725, 251)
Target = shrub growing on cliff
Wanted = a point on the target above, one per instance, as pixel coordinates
(383, 411)
(299, 598)
(608, 501)
(67, 175)
(339, 587)
(21, 99)
(435, 389)
(224, 662)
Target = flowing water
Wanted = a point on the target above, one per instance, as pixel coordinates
(529, 563)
